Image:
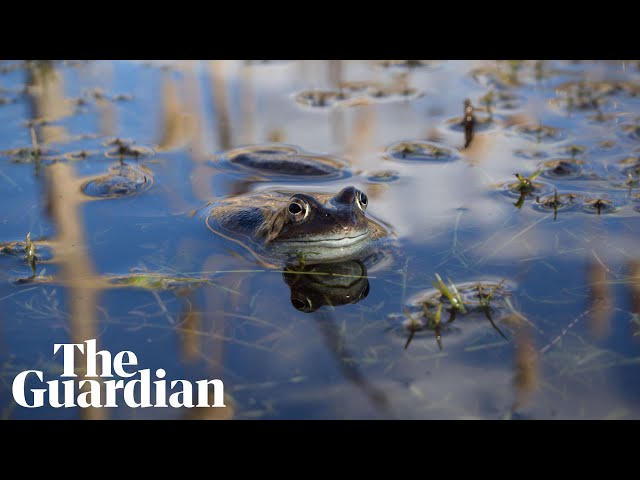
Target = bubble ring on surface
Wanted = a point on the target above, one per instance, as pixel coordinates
(421, 151)
(283, 161)
(124, 181)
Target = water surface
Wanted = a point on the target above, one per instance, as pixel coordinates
(137, 270)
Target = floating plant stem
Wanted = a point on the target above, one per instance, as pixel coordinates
(459, 304)
(525, 186)
(484, 304)
(30, 251)
(555, 205)
(526, 183)
(454, 298)
(521, 198)
(436, 321)
(484, 299)
(414, 326)
(599, 204)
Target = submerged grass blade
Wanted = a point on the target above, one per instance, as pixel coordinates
(437, 326)
(31, 254)
(459, 304)
(493, 324)
(414, 326)
(442, 287)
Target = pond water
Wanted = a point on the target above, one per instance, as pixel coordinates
(113, 168)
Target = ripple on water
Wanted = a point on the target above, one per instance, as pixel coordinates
(79, 155)
(126, 148)
(404, 64)
(599, 206)
(350, 94)
(631, 164)
(566, 168)
(123, 181)
(582, 96)
(321, 99)
(355, 87)
(572, 150)
(482, 124)
(539, 133)
(421, 151)
(631, 129)
(284, 161)
(530, 153)
(515, 190)
(559, 202)
(481, 299)
(590, 96)
(18, 249)
(29, 154)
(392, 93)
(506, 100)
(383, 176)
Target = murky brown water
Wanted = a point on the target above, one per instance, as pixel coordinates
(105, 163)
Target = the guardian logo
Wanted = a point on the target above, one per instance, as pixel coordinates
(102, 393)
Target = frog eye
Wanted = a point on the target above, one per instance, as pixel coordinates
(303, 305)
(362, 200)
(297, 209)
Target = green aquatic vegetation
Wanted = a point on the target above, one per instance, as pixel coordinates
(553, 203)
(407, 149)
(436, 320)
(414, 326)
(599, 204)
(31, 255)
(525, 184)
(26, 250)
(485, 300)
(477, 299)
(451, 294)
(430, 322)
(433, 150)
(156, 281)
(439, 152)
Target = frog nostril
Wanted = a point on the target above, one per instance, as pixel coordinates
(347, 195)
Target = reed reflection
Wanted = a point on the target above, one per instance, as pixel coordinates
(316, 289)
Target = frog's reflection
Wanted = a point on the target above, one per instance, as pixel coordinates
(333, 285)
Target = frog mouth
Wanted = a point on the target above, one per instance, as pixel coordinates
(328, 242)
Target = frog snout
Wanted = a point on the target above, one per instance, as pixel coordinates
(347, 195)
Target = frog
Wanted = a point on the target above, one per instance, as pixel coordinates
(281, 226)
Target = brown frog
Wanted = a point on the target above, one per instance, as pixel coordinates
(284, 225)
